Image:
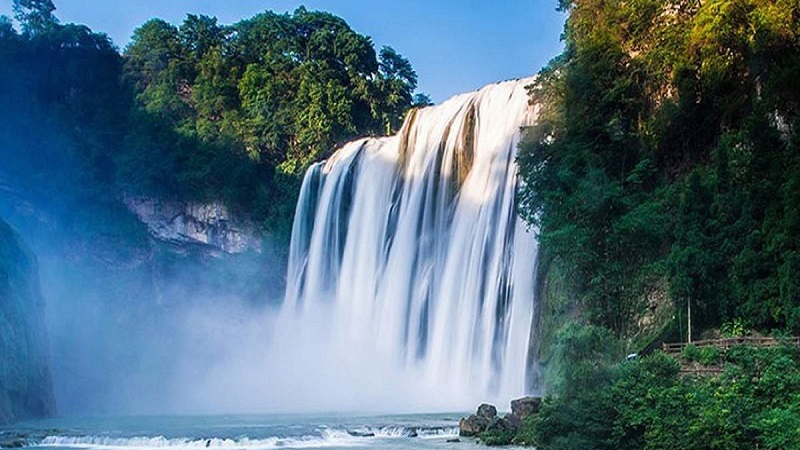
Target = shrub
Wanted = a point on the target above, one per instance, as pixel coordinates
(689, 353)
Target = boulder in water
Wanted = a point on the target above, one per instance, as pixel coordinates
(502, 425)
(360, 433)
(478, 422)
(472, 425)
(487, 411)
(525, 407)
(512, 421)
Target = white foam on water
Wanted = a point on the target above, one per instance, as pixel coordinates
(327, 438)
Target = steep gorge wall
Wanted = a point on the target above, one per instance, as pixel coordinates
(25, 385)
(560, 306)
(131, 273)
(208, 224)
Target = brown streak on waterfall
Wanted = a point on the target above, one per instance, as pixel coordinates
(465, 147)
(406, 139)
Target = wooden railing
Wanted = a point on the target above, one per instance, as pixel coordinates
(677, 348)
(703, 371)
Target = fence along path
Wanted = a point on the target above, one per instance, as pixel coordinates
(676, 349)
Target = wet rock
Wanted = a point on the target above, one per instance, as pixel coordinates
(454, 440)
(501, 425)
(13, 440)
(472, 426)
(361, 434)
(525, 407)
(487, 411)
(412, 432)
(513, 422)
(478, 422)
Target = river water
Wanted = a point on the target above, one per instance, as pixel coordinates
(245, 432)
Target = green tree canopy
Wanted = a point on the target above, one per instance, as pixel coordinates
(36, 16)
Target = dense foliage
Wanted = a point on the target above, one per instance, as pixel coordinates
(645, 404)
(667, 153)
(666, 164)
(198, 111)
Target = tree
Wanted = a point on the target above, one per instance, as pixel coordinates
(36, 16)
(421, 100)
(199, 35)
(396, 84)
(663, 151)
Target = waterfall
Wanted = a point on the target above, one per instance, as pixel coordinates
(408, 264)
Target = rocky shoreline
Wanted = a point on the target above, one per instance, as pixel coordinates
(492, 429)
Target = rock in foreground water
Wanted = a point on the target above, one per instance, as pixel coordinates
(485, 420)
(478, 422)
(525, 407)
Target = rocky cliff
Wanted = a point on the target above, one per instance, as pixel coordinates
(208, 224)
(135, 270)
(25, 385)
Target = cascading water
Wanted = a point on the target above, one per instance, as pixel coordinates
(409, 268)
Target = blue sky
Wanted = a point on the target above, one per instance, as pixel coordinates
(454, 45)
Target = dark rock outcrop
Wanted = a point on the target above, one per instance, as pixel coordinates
(525, 407)
(486, 420)
(487, 411)
(478, 422)
(208, 224)
(26, 390)
(472, 426)
(502, 425)
(513, 421)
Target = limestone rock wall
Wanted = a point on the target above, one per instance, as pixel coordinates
(26, 390)
(209, 224)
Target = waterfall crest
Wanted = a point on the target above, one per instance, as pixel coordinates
(408, 252)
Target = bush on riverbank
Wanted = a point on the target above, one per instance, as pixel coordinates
(647, 404)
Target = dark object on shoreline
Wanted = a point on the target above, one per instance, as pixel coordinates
(14, 439)
(361, 434)
(14, 443)
(487, 411)
(477, 423)
(486, 420)
(454, 440)
(525, 407)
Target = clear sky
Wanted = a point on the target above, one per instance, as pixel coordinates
(454, 45)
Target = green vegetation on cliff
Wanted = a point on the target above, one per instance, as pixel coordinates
(200, 111)
(664, 174)
(667, 154)
(647, 404)
(25, 387)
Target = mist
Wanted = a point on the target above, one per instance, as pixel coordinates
(131, 320)
(141, 326)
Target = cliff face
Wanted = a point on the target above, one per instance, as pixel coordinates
(25, 385)
(558, 307)
(208, 224)
(134, 273)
